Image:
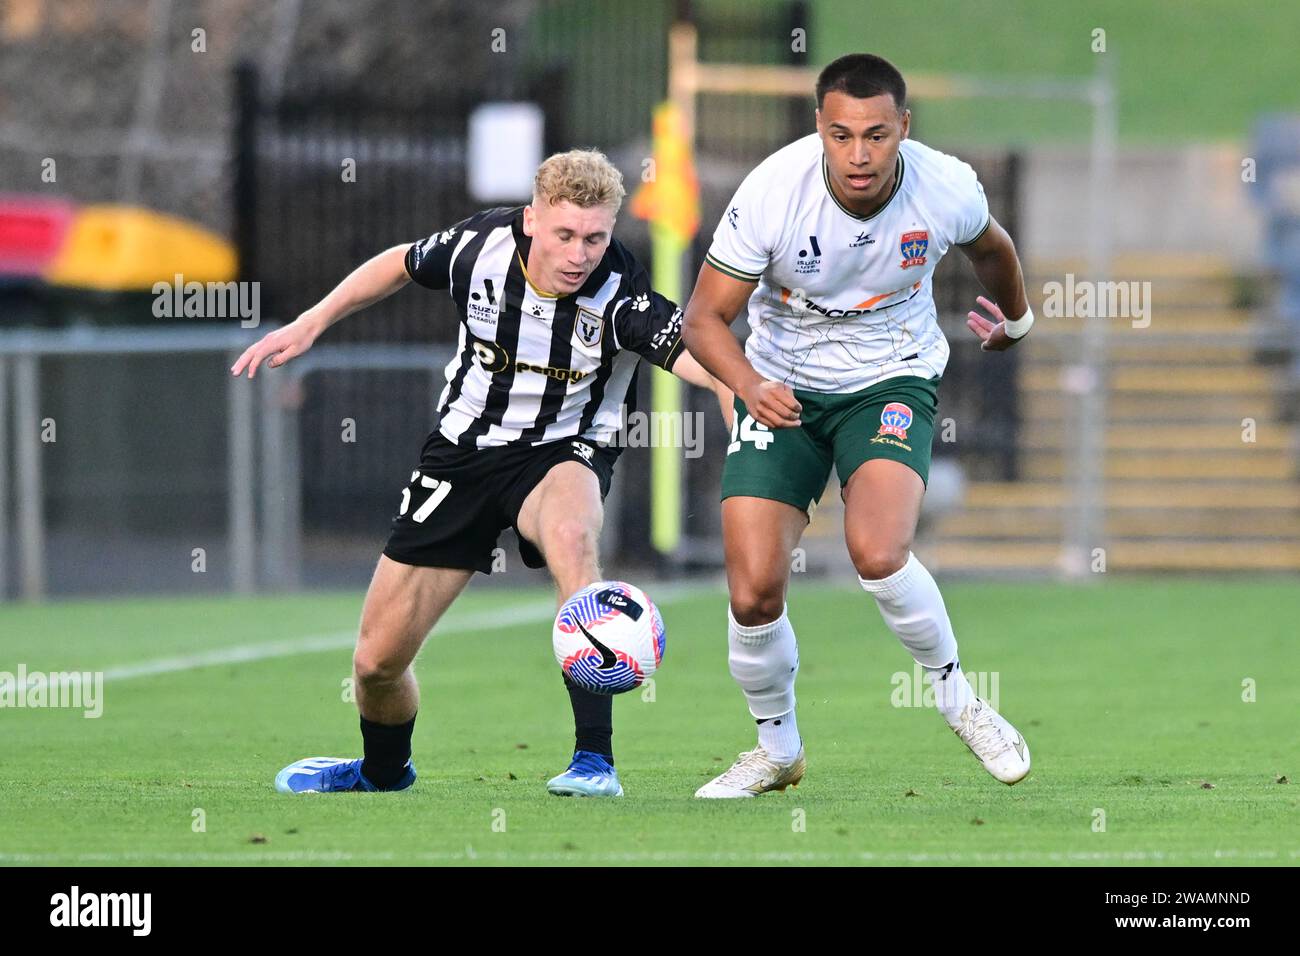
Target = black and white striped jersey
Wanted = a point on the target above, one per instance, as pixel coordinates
(531, 367)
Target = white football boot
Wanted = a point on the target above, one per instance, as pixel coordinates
(753, 773)
(998, 745)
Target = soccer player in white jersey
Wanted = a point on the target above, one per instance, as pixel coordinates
(831, 243)
(555, 317)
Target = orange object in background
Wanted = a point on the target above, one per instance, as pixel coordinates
(121, 248)
(671, 199)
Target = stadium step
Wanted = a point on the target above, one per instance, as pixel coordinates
(1121, 555)
(1204, 555)
(1170, 409)
(1049, 523)
(1249, 462)
(1172, 351)
(1155, 379)
(1148, 266)
(957, 556)
(1140, 494)
(1164, 322)
(1181, 437)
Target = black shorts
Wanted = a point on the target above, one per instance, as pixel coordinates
(460, 499)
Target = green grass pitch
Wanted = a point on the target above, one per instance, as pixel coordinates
(1130, 695)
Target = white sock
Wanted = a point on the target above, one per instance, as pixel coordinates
(952, 691)
(764, 660)
(912, 606)
(779, 736)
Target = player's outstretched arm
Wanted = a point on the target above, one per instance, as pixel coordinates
(706, 329)
(993, 255)
(373, 280)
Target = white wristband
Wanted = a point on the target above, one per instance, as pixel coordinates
(1018, 328)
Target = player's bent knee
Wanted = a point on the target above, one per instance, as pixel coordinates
(573, 534)
(374, 668)
(754, 606)
(873, 562)
(569, 541)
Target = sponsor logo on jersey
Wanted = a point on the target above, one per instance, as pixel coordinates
(801, 303)
(810, 259)
(493, 358)
(589, 327)
(733, 216)
(550, 371)
(895, 419)
(483, 305)
(864, 239)
(913, 246)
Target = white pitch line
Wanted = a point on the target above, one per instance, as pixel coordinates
(311, 644)
(231, 655)
(532, 612)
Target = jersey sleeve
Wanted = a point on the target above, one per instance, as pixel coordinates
(739, 248)
(428, 261)
(647, 323)
(971, 206)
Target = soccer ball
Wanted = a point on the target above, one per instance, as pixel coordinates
(609, 637)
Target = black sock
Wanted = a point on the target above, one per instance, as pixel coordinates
(387, 748)
(593, 720)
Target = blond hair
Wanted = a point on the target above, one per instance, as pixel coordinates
(584, 177)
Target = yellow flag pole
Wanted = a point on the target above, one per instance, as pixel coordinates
(669, 201)
(666, 398)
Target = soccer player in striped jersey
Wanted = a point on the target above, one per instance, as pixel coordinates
(831, 243)
(555, 316)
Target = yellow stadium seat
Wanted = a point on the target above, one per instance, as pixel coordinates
(121, 248)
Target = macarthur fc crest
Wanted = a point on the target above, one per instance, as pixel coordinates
(589, 326)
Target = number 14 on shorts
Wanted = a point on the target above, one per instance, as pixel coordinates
(749, 430)
(439, 491)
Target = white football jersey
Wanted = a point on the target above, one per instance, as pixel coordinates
(843, 301)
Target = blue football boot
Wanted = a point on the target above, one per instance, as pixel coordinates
(332, 775)
(589, 775)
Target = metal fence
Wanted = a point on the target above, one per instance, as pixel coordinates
(123, 481)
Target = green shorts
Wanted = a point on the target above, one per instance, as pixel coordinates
(891, 419)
